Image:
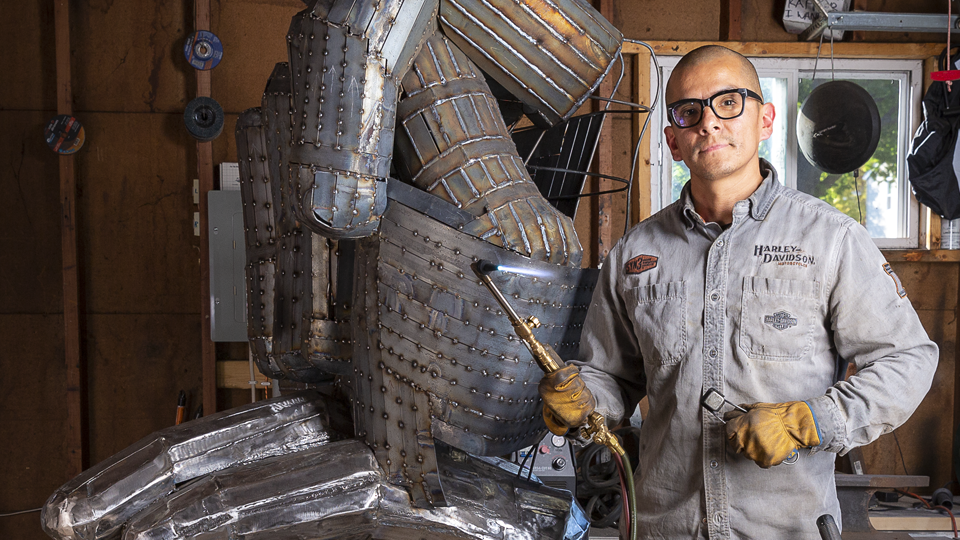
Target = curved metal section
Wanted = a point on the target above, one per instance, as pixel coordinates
(436, 358)
(338, 491)
(95, 504)
(288, 274)
(259, 220)
(550, 55)
(452, 143)
(344, 56)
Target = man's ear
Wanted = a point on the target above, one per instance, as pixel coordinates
(672, 143)
(767, 114)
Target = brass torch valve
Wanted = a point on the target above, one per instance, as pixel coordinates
(549, 361)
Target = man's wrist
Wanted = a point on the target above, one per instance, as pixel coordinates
(829, 422)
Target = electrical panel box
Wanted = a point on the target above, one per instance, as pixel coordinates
(228, 296)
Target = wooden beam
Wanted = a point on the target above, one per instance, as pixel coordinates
(235, 374)
(640, 206)
(797, 50)
(205, 175)
(730, 15)
(604, 164)
(73, 357)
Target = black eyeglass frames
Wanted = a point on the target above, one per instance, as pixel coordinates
(726, 104)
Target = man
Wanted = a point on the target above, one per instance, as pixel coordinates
(754, 290)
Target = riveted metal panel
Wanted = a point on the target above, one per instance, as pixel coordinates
(455, 146)
(550, 55)
(434, 329)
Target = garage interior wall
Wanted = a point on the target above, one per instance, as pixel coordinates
(139, 259)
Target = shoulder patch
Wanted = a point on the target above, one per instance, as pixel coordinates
(896, 280)
(640, 264)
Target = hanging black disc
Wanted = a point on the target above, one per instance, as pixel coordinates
(203, 118)
(838, 127)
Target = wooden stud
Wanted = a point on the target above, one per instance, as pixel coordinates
(205, 175)
(730, 17)
(604, 164)
(73, 357)
(640, 206)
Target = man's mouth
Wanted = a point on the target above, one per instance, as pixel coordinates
(714, 147)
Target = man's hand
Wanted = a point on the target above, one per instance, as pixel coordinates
(769, 432)
(567, 402)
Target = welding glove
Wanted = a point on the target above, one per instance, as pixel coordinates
(567, 402)
(768, 433)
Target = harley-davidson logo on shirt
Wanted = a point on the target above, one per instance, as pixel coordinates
(783, 255)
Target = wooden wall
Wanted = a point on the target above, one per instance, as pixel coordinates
(139, 259)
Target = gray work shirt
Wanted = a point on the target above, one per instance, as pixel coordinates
(759, 311)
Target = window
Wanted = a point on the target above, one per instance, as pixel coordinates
(880, 198)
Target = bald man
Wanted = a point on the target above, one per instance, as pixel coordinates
(753, 290)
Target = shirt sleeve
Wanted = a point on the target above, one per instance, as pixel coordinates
(609, 359)
(876, 328)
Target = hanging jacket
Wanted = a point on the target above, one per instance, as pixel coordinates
(930, 162)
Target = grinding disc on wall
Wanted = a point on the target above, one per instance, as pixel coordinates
(838, 127)
(203, 50)
(203, 118)
(64, 134)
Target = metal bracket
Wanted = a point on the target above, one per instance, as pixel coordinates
(873, 21)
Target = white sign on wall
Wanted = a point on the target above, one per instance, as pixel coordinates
(798, 14)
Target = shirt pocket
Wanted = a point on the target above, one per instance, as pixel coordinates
(659, 315)
(778, 317)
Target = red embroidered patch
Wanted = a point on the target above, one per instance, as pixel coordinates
(640, 264)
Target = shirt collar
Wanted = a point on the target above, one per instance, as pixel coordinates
(760, 201)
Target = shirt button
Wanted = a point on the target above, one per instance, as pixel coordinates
(714, 464)
(715, 296)
(713, 353)
(720, 243)
(704, 521)
(718, 518)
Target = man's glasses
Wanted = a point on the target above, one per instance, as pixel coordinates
(726, 105)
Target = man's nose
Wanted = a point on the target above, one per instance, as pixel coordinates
(709, 120)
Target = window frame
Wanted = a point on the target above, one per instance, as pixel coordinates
(644, 78)
(908, 71)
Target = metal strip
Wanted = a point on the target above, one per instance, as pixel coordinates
(428, 204)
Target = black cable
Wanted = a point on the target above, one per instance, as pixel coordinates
(902, 461)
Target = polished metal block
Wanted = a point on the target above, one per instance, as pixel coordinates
(338, 491)
(95, 504)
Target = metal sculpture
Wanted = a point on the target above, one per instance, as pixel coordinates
(363, 283)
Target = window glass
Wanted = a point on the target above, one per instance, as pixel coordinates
(870, 199)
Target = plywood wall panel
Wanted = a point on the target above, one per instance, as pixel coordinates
(26, 37)
(926, 439)
(33, 401)
(135, 180)
(128, 56)
(762, 21)
(30, 241)
(137, 365)
(668, 21)
(254, 36)
(930, 286)
(225, 146)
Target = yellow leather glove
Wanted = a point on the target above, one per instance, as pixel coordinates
(768, 433)
(567, 402)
